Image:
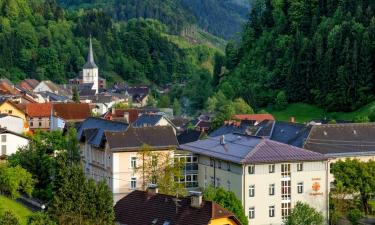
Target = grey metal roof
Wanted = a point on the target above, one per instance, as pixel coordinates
(290, 133)
(147, 120)
(245, 149)
(342, 139)
(100, 125)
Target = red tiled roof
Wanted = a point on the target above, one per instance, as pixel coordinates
(38, 109)
(72, 111)
(142, 208)
(119, 113)
(254, 117)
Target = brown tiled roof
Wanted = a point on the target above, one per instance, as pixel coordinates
(119, 113)
(141, 208)
(38, 109)
(342, 139)
(72, 111)
(254, 117)
(29, 84)
(133, 138)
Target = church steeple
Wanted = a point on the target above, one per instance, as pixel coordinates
(90, 63)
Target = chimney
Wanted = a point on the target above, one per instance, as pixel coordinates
(152, 189)
(292, 119)
(196, 199)
(222, 140)
(126, 116)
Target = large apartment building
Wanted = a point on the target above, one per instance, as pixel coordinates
(267, 176)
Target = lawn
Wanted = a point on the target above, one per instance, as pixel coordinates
(303, 112)
(16, 208)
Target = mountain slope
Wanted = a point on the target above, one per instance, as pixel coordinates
(223, 18)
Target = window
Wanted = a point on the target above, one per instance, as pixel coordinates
(251, 213)
(3, 150)
(271, 189)
(285, 210)
(299, 166)
(133, 183)
(195, 159)
(271, 211)
(219, 164)
(134, 162)
(285, 170)
(251, 169)
(3, 138)
(212, 162)
(228, 166)
(10, 111)
(300, 187)
(31, 124)
(271, 168)
(251, 190)
(218, 182)
(40, 124)
(285, 189)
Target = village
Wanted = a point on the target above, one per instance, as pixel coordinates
(269, 165)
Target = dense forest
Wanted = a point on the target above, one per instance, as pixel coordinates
(40, 40)
(319, 52)
(221, 18)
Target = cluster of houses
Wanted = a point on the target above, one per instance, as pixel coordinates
(269, 165)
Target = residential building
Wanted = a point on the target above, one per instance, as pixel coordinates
(254, 118)
(71, 112)
(151, 120)
(9, 108)
(341, 141)
(10, 142)
(121, 151)
(12, 123)
(39, 115)
(265, 175)
(48, 86)
(126, 115)
(150, 207)
(28, 84)
(101, 102)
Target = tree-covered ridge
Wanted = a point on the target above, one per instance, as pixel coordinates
(221, 18)
(39, 39)
(319, 52)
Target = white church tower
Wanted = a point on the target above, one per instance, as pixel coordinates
(90, 74)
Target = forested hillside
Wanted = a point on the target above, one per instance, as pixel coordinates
(319, 52)
(221, 18)
(38, 39)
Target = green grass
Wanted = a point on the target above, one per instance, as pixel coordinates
(303, 112)
(20, 211)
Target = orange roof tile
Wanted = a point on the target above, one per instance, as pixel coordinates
(72, 111)
(254, 117)
(39, 109)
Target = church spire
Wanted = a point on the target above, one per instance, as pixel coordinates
(90, 63)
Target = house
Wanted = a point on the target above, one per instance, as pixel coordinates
(10, 142)
(28, 84)
(52, 97)
(102, 102)
(72, 112)
(12, 123)
(150, 207)
(49, 86)
(190, 136)
(9, 108)
(90, 73)
(122, 149)
(151, 120)
(341, 141)
(7, 88)
(230, 127)
(180, 123)
(126, 115)
(267, 176)
(254, 118)
(202, 125)
(137, 94)
(39, 115)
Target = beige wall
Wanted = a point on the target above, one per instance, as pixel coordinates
(313, 172)
(39, 123)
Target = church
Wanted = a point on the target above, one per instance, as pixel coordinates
(89, 76)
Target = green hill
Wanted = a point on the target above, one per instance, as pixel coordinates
(20, 211)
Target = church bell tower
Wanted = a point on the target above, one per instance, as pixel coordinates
(90, 73)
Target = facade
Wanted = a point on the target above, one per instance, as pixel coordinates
(12, 123)
(7, 107)
(10, 142)
(268, 177)
(39, 115)
(150, 207)
(150, 120)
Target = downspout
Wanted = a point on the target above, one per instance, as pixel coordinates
(328, 187)
(214, 173)
(244, 187)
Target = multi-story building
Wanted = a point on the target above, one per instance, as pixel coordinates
(39, 115)
(10, 142)
(267, 176)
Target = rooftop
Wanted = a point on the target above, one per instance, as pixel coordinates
(39, 109)
(72, 111)
(141, 208)
(244, 149)
(254, 117)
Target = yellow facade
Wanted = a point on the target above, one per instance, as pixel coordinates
(10, 109)
(223, 221)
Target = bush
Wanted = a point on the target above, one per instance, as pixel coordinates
(281, 101)
(361, 119)
(372, 116)
(354, 216)
(8, 218)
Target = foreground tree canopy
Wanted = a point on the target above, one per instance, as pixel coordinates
(319, 52)
(303, 214)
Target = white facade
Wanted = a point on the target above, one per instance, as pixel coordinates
(91, 76)
(42, 87)
(267, 193)
(12, 123)
(10, 143)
